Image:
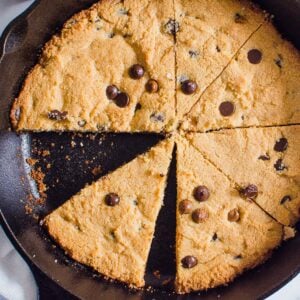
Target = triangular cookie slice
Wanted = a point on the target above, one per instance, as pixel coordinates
(268, 158)
(219, 234)
(259, 87)
(209, 33)
(112, 68)
(109, 225)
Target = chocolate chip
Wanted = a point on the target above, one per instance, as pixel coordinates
(112, 199)
(238, 256)
(214, 237)
(157, 117)
(172, 27)
(218, 48)
(279, 165)
(81, 123)
(200, 215)
(226, 108)
(278, 61)
(233, 215)
(112, 92)
(254, 56)
(201, 193)
(239, 18)
(264, 157)
(136, 71)
(122, 100)
(193, 54)
(281, 145)
(138, 106)
(185, 207)
(189, 87)
(152, 86)
(285, 199)
(189, 262)
(57, 115)
(249, 192)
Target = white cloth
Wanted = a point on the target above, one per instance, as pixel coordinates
(16, 280)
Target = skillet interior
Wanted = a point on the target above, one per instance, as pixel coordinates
(18, 50)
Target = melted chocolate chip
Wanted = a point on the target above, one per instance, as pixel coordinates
(112, 199)
(122, 100)
(285, 199)
(200, 215)
(138, 107)
(136, 71)
(233, 215)
(189, 87)
(112, 92)
(185, 207)
(264, 157)
(189, 262)
(214, 237)
(172, 27)
(249, 192)
(201, 193)
(239, 18)
(254, 56)
(279, 165)
(226, 108)
(152, 86)
(281, 145)
(218, 48)
(57, 115)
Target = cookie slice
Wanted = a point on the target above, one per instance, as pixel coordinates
(109, 225)
(264, 162)
(219, 234)
(110, 69)
(209, 33)
(259, 87)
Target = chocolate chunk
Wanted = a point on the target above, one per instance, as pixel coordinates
(112, 92)
(279, 165)
(138, 106)
(136, 71)
(214, 237)
(226, 108)
(152, 86)
(264, 157)
(254, 56)
(239, 18)
(189, 262)
(57, 115)
(81, 123)
(201, 193)
(200, 215)
(281, 145)
(185, 207)
(233, 215)
(189, 87)
(112, 199)
(249, 192)
(172, 27)
(157, 117)
(285, 199)
(193, 54)
(122, 100)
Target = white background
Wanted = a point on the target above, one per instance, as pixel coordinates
(16, 282)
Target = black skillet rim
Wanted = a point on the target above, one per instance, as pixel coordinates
(3, 221)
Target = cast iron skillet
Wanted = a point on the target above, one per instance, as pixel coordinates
(71, 168)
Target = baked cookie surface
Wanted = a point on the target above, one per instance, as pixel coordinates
(260, 87)
(219, 234)
(95, 75)
(109, 225)
(267, 158)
